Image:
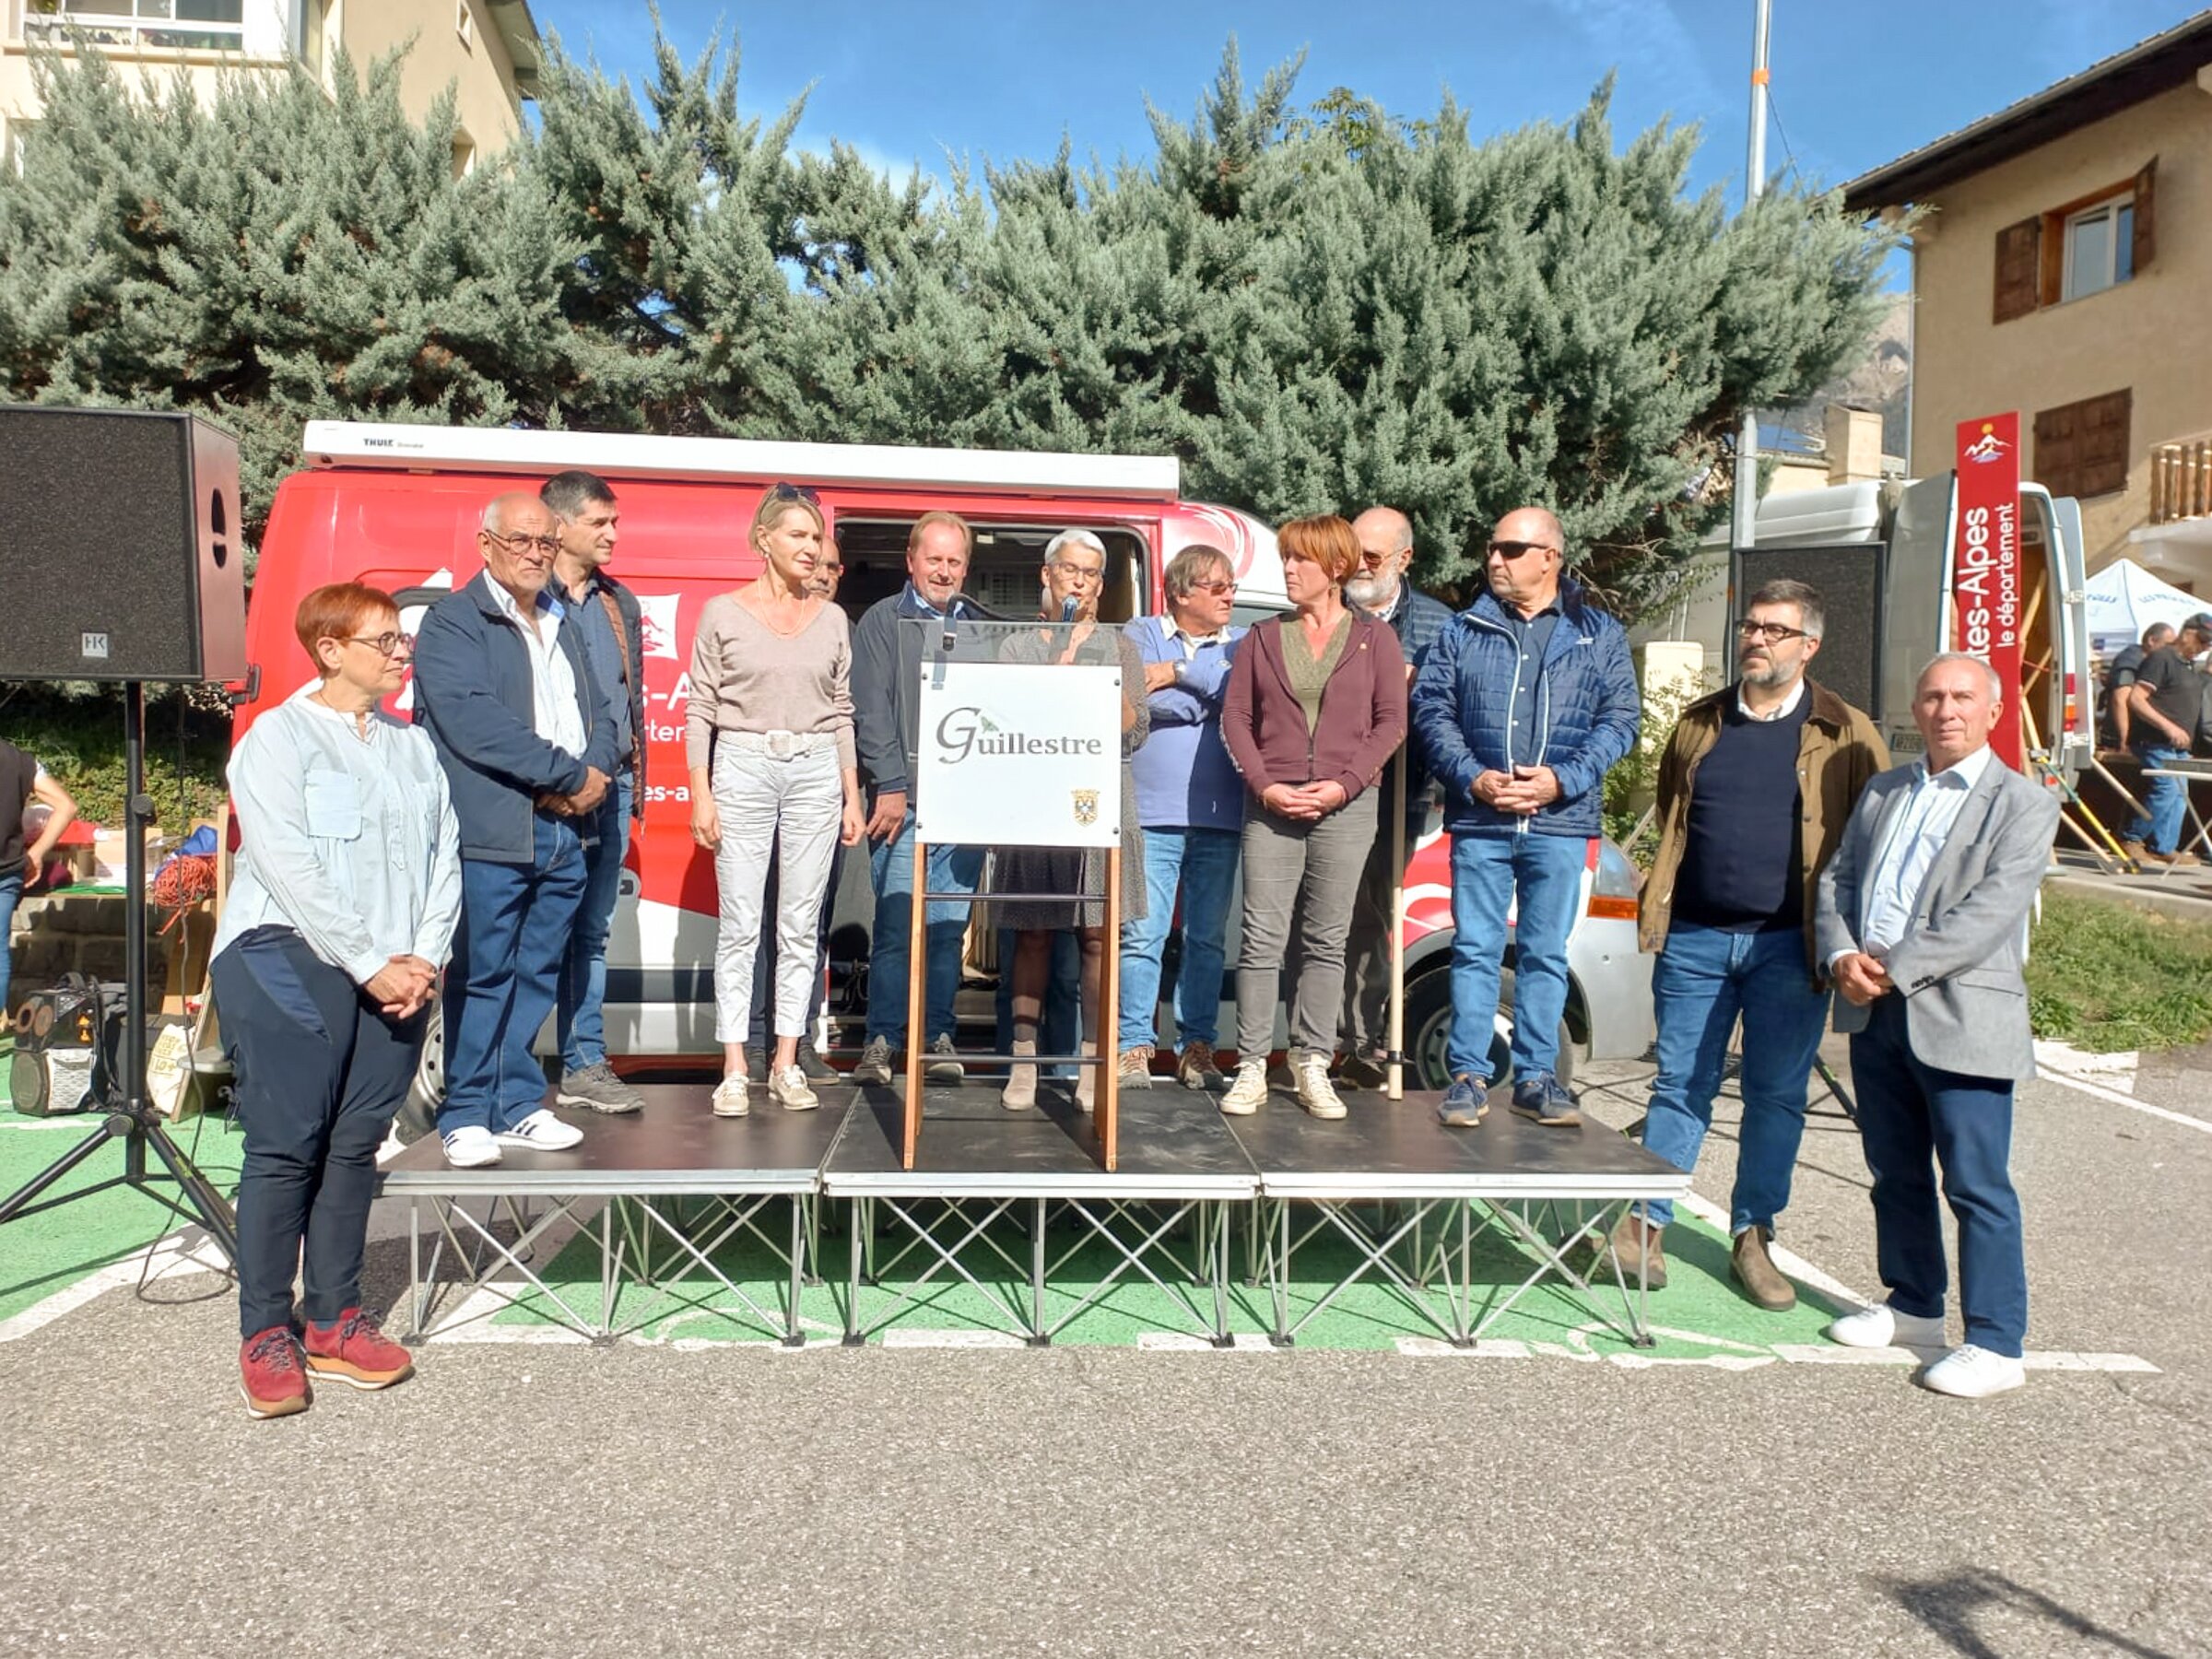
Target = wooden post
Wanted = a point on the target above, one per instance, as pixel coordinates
(917, 998)
(1109, 1093)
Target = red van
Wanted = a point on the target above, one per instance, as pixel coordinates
(398, 507)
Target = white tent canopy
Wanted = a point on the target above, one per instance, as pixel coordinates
(2124, 599)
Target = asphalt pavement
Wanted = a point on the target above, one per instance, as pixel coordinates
(527, 1498)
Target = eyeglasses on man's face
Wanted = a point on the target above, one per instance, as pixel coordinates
(1219, 590)
(384, 644)
(534, 544)
(1515, 549)
(1770, 633)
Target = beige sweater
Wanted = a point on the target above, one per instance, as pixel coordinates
(748, 677)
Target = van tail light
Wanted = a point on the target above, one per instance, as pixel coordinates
(2073, 705)
(1613, 883)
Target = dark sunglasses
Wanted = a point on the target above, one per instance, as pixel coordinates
(793, 492)
(1515, 550)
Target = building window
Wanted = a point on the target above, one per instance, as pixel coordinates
(2081, 449)
(465, 155)
(314, 24)
(2101, 247)
(14, 132)
(190, 25)
(464, 24)
(2078, 248)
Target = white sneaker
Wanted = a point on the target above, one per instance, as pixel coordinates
(471, 1149)
(542, 1131)
(1972, 1373)
(790, 1089)
(731, 1097)
(1248, 1091)
(1882, 1326)
(1315, 1093)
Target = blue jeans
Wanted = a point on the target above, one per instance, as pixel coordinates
(1490, 874)
(1204, 863)
(504, 979)
(1912, 1117)
(1703, 980)
(2166, 800)
(1061, 1029)
(581, 1024)
(11, 893)
(891, 873)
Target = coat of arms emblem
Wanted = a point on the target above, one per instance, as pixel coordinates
(1086, 806)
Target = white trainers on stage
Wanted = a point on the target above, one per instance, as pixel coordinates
(732, 1096)
(1315, 1093)
(1248, 1091)
(471, 1149)
(1972, 1373)
(543, 1132)
(790, 1089)
(1883, 1326)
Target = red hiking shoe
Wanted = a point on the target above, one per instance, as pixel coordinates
(353, 1350)
(269, 1373)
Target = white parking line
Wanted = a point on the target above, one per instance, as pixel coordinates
(2097, 1092)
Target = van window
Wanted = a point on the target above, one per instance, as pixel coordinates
(1003, 572)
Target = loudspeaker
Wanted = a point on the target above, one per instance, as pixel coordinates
(120, 535)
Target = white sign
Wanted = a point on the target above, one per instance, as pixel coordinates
(1020, 755)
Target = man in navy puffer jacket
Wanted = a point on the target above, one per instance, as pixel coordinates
(1525, 702)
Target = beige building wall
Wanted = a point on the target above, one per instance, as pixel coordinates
(476, 60)
(2152, 334)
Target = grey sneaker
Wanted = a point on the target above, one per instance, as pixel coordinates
(755, 1065)
(598, 1087)
(817, 1069)
(875, 1068)
(944, 1064)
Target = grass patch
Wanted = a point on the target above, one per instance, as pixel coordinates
(2107, 977)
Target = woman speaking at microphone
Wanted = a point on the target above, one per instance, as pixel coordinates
(342, 908)
(770, 744)
(1072, 579)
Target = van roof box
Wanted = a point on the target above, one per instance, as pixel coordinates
(347, 444)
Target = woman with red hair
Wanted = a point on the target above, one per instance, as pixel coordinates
(342, 909)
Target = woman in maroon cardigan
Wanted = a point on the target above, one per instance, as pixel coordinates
(1316, 702)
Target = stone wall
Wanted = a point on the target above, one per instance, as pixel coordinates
(80, 932)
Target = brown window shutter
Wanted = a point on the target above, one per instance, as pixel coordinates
(2145, 215)
(2018, 269)
(2082, 449)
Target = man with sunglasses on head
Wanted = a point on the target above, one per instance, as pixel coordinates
(612, 630)
(1382, 587)
(887, 715)
(526, 735)
(1191, 804)
(1525, 702)
(1755, 788)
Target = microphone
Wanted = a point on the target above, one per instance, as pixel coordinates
(1067, 609)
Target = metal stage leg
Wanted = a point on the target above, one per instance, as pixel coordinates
(854, 1208)
(800, 1205)
(1038, 1336)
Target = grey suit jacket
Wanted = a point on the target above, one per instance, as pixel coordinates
(1959, 969)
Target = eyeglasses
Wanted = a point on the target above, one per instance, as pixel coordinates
(1219, 590)
(384, 644)
(1515, 550)
(1773, 633)
(1374, 560)
(1077, 573)
(542, 543)
(793, 492)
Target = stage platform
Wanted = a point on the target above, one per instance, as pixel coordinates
(1010, 1224)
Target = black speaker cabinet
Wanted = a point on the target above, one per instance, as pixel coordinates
(120, 538)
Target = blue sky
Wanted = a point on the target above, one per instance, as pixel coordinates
(1856, 82)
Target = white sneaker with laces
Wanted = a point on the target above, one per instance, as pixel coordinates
(1972, 1373)
(1315, 1093)
(542, 1131)
(731, 1097)
(1248, 1091)
(471, 1149)
(1882, 1326)
(790, 1089)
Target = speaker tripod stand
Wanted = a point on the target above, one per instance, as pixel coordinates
(131, 1117)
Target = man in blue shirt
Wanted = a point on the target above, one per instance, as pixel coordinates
(1525, 702)
(1191, 803)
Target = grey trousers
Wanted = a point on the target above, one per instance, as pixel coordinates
(1300, 880)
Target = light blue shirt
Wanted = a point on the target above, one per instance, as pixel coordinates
(349, 842)
(1917, 831)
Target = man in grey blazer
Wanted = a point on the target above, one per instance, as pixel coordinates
(1924, 923)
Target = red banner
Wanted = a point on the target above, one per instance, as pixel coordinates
(1985, 564)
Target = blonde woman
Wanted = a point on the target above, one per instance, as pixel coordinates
(770, 746)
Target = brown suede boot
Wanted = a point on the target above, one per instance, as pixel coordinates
(1636, 1244)
(1751, 1267)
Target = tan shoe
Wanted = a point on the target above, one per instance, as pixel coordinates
(1197, 1068)
(1248, 1093)
(1636, 1246)
(1136, 1066)
(1751, 1267)
(1020, 1092)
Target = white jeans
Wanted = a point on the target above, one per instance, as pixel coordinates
(797, 806)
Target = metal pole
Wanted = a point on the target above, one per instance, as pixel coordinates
(1746, 532)
(1394, 1045)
